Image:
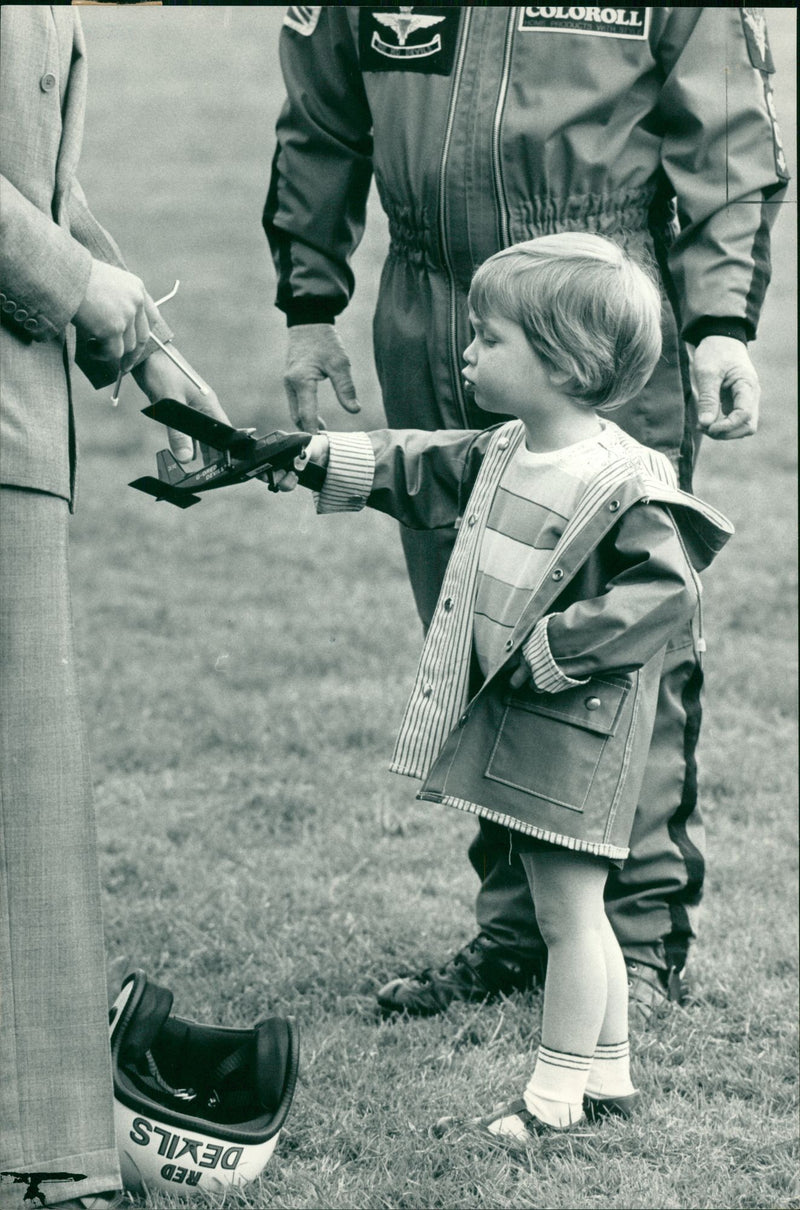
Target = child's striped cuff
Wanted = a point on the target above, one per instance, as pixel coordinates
(547, 676)
(351, 470)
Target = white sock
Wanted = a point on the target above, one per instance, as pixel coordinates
(610, 1071)
(555, 1090)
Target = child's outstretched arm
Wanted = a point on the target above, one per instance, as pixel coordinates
(421, 479)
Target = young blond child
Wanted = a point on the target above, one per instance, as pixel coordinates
(576, 561)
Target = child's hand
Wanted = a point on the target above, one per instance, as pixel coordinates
(316, 451)
(522, 674)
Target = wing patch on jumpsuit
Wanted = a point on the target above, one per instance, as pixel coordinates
(302, 18)
(410, 39)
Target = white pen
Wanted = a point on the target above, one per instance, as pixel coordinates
(122, 373)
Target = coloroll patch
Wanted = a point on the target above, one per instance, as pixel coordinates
(600, 22)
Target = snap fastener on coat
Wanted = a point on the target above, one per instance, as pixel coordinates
(592, 703)
(448, 605)
(47, 82)
(558, 574)
(509, 644)
(614, 506)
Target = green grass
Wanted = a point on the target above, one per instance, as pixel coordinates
(244, 670)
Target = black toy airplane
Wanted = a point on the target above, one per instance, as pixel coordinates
(243, 456)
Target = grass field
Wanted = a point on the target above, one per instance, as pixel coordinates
(244, 670)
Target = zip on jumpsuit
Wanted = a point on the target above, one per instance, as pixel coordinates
(489, 125)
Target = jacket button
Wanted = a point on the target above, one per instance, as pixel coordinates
(592, 703)
(427, 690)
(614, 506)
(47, 82)
(2, 298)
(31, 325)
(509, 644)
(558, 574)
(9, 306)
(471, 519)
(448, 605)
(503, 443)
(20, 315)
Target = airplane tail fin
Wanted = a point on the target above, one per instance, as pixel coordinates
(169, 469)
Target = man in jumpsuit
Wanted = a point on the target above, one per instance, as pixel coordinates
(485, 126)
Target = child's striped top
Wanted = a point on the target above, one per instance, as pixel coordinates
(534, 500)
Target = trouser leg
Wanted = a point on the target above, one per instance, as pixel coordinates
(653, 901)
(56, 1089)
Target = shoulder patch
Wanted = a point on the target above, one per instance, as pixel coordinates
(302, 18)
(754, 24)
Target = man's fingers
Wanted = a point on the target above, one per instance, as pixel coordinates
(342, 384)
(708, 387)
(304, 407)
(728, 428)
(519, 676)
(181, 445)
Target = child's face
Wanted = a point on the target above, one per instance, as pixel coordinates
(502, 369)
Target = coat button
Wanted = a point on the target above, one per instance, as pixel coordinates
(471, 519)
(20, 315)
(427, 690)
(31, 325)
(592, 703)
(614, 506)
(558, 574)
(503, 443)
(9, 306)
(448, 604)
(509, 644)
(2, 298)
(47, 82)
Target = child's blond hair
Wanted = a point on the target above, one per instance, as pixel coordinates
(587, 308)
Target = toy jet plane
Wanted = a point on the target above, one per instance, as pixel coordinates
(243, 456)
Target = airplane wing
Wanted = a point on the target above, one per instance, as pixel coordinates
(196, 424)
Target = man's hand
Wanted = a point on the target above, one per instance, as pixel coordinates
(159, 378)
(315, 352)
(115, 314)
(726, 388)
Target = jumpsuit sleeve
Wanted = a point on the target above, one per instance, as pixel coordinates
(321, 171)
(652, 592)
(723, 159)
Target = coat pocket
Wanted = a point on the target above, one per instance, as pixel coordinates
(550, 745)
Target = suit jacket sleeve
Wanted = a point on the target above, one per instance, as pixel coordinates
(45, 270)
(723, 159)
